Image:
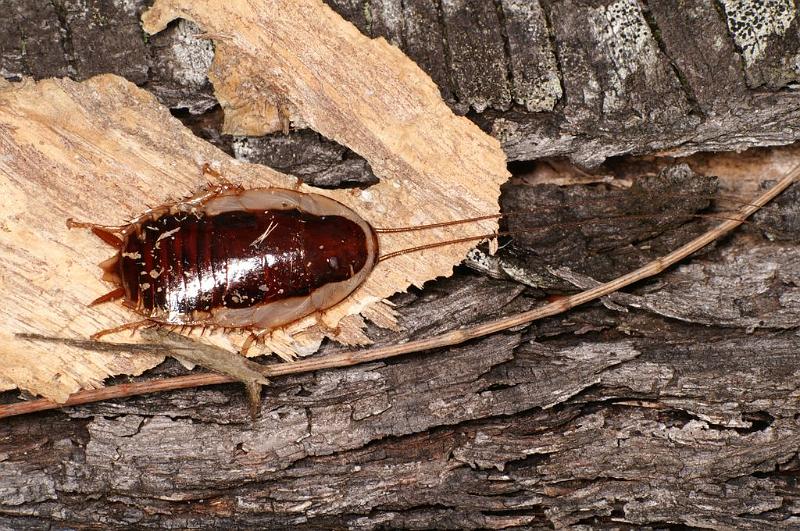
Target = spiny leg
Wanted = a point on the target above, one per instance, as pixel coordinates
(222, 183)
(254, 338)
(107, 233)
(251, 338)
(208, 170)
(110, 296)
(210, 191)
(262, 335)
(127, 326)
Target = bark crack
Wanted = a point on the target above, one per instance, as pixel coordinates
(65, 34)
(448, 54)
(686, 87)
(501, 17)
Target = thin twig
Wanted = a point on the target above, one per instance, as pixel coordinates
(454, 337)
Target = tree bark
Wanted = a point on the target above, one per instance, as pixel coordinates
(674, 403)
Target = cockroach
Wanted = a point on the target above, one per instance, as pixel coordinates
(235, 258)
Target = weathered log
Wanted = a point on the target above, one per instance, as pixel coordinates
(672, 404)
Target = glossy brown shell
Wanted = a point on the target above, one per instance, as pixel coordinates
(256, 258)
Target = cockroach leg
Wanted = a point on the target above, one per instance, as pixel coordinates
(254, 338)
(107, 237)
(127, 326)
(222, 184)
(106, 233)
(208, 170)
(210, 191)
(110, 296)
(73, 224)
(251, 338)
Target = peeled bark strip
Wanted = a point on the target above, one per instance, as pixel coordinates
(102, 151)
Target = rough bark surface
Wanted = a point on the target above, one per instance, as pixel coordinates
(581, 79)
(672, 404)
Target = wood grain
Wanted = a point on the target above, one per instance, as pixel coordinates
(103, 150)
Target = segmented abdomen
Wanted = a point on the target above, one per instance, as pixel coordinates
(187, 264)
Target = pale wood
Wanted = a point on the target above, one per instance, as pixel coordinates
(103, 150)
